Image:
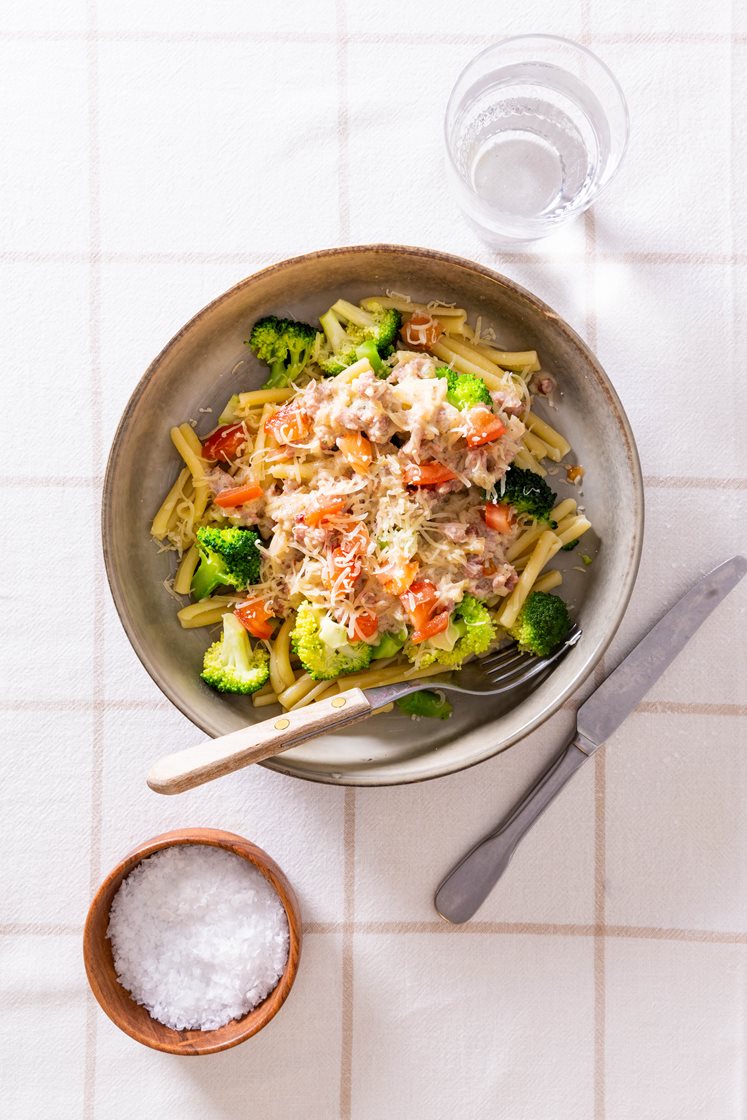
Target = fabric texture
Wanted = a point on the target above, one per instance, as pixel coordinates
(155, 154)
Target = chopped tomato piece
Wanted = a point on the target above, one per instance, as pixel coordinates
(225, 443)
(288, 425)
(237, 495)
(357, 450)
(433, 626)
(315, 516)
(421, 330)
(485, 427)
(427, 474)
(420, 601)
(254, 615)
(396, 581)
(365, 626)
(355, 541)
(341, 572)
(499, 516)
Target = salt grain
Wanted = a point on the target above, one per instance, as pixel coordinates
(199, 936)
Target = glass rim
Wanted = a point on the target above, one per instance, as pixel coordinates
(533, 37)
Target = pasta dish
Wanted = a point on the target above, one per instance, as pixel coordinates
(381, 510)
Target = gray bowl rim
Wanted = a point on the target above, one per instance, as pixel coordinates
(616, 407)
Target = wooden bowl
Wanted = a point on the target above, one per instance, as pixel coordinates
(132, 1017)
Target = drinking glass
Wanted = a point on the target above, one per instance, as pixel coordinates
(536, 127)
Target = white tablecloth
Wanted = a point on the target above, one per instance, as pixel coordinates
(152, 155)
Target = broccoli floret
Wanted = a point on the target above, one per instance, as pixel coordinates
(542, 624)
(285, 344)
(471, 632)
(425, 705)
(570, 546)
(465, 390)
(528, 493)
(228, 558)
(231, 665)
(323, 647)
(366, 334)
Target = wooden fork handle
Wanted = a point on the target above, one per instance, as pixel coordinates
(175, 773)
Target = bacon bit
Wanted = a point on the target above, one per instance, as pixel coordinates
(574, 474)
(254, 616)
(365, 626)
(315, 516)
(238, 495)
(396, 581)
(435, 625)
(427, 474)
(288, 424)
(357, 450)
(499, 516)
(421, 331)
(225, 442)
(485, 427)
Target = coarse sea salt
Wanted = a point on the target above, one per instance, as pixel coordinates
(199, 936)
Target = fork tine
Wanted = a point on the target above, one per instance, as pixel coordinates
(520, 668)
(502, 657)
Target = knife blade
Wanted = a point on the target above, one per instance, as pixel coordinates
(471, 880)
(625, 687)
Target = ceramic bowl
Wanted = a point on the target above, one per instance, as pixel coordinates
(207, 361)
(132, 1017)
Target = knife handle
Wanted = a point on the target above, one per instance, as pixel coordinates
(470, 882)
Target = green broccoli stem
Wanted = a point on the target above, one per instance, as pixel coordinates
(369, 349)
(278, 378)
(209, 574)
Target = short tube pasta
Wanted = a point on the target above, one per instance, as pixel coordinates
(350, 374)
(537, 447)
(207, 612)
(464, 365)
(547, 545)
(191, 438)
(263, 396)
(316, 693)
(264, 699)
(185, 571)
(524, 542)
(289, 696)
(575, 529)
(160, 525)
(195, 462)
(474, 356)
(527, 462)
(548, 580)
(281, 670)
(548, 434)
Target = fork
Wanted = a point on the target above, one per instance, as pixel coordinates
(492, 675)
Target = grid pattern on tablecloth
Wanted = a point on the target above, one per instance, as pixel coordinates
(608, 922)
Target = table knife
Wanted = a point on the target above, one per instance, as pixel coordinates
(470, 882)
